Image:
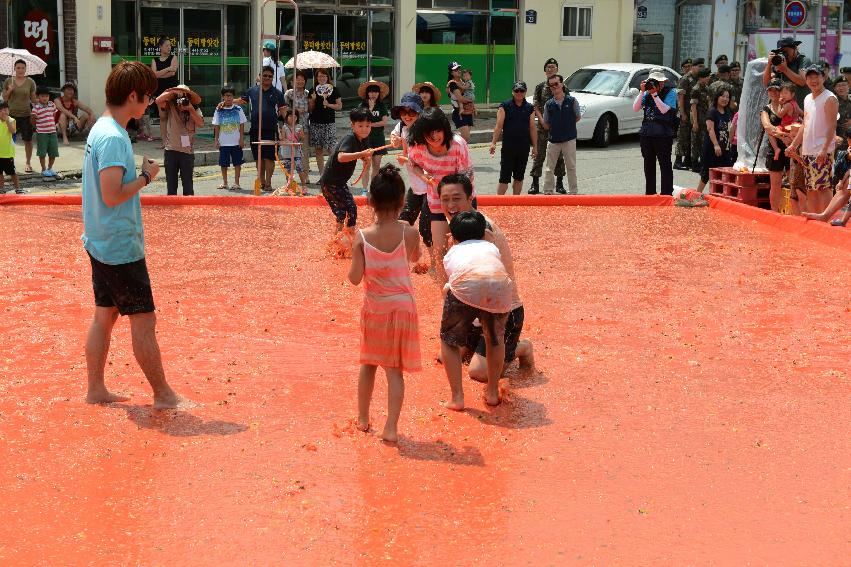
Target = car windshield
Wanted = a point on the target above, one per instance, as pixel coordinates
(597, 81)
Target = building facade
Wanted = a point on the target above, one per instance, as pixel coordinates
(399, 42)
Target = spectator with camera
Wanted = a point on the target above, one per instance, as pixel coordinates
(788, 65)
(179, 107)
(658, 101)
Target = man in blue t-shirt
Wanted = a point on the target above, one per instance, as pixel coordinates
(113, 236)
(515, 121)
(561, 113)
(267, 127)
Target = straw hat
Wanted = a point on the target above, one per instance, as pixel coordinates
(384, 90)
(435, 92)
(194, 97)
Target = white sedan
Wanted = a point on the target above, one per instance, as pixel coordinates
(605, 93)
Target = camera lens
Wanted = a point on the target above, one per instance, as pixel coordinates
(777, 60)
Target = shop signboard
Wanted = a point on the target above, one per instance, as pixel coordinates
(795, 13)
(151, 47)
(37, 34)
(198, 45)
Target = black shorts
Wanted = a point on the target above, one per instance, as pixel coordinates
(457, 322)
(461, 120)
(125, 286)
(441, 216)
(513, 327)
(268, 152)
(7, 166)
(24, 127)
(512, 163)
(781, 163)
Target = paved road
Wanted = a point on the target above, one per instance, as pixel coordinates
(617, 169)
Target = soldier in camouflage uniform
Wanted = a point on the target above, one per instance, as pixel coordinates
(843, 123)
(737, 82)
(684, 87)
(685, 67)
(540, 98)
(701, 100)
(719, 61)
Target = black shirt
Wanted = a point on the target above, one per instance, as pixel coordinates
(515, 127)
(322, 114)
(337, 174)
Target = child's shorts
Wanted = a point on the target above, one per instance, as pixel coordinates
(230, 155)
(47, 145)
(513, 327)
(456, 324)
(288, 164)
(7, 166)
(461, 120)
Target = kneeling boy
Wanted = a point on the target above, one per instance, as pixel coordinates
(479, 287)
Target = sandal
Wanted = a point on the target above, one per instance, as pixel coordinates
(28, 169)
(21, 191)
(235, 188)
(222, 187)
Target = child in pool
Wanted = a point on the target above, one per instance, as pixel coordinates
(389, 323)
(479, 287)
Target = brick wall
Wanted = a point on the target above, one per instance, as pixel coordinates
(695, 31)
(70, 9)
(660, 19)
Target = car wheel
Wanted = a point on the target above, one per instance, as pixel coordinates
(605, 131)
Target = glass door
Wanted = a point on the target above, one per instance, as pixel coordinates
(351, 53)
(155, 22)
(202, 61)
(502, 55)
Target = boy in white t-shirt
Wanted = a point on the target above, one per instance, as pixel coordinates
(479, 287)
(229, 131)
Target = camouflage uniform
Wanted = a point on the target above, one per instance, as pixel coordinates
(702, 95)
(539, 99)
(685, 85)
(737, 85)
(719, 84)
(844, 114)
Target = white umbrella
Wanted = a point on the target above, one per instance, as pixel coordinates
(313, 60)
(8, 56)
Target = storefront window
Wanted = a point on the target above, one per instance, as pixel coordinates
(32, 26)
(770, 15)
(381, 60)
(456, 4)
(238, 73)
(846, 15)
(124, 30)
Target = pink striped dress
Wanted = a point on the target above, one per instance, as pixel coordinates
(390, 335)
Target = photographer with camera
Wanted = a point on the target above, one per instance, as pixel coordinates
(179, 107)
(658, 129)
(788, 65)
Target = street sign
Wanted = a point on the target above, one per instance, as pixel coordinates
(531, 17)
(795, 13)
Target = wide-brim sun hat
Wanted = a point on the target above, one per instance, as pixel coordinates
(384, 90)
(435, 92)
(411, 101)
(194, 97)
(657, 75)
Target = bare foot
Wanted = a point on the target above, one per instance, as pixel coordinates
(492, 399)
(104, 397)
(457, 403)
(389, 435)
(363, 424)
(814, 216)
(66, 142)
(171, 400)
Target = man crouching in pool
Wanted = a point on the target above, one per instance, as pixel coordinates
(456, 196)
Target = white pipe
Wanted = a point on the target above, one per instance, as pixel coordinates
(60, 25)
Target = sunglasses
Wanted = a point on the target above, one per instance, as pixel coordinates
(522, 91)
(553, 84)
(267, 76)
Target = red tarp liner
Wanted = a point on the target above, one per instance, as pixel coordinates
(485, 200)
(835, 236)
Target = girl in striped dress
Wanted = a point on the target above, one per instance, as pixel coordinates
(434, 153)
(389, 324)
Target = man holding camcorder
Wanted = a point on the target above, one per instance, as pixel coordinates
(179, 107)
(788, 65)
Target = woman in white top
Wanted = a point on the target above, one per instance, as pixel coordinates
(270, 59)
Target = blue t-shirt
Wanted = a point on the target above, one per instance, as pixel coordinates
(112, 235)
(272, 100)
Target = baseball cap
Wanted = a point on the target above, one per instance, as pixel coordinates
(815, 68)
(787, 42)
(454, 65)
(519, 86)
(412, 101)
(774, 84)
(269, 44)
(550, 61)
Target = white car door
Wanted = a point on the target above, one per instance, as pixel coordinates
(631, 123)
